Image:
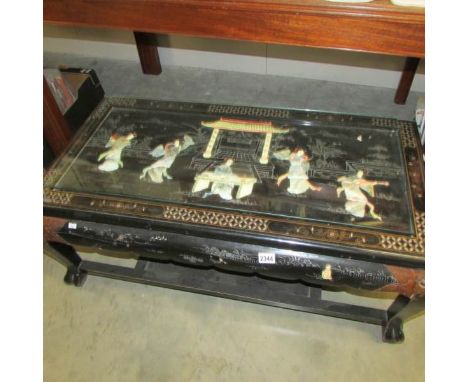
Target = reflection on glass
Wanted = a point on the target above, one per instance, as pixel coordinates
(291, 168)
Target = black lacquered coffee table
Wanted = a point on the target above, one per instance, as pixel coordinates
(260, 205)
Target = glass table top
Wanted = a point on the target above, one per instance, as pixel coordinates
(296, 168)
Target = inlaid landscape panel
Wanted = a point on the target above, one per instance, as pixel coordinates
(289, 167)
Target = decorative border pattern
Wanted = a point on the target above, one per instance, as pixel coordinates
(57, 197)
(413, 244)
(51, 176)
(390, 122)
(216, 218)
(405, 127)
(335, 235)
(249, 111)
(407, 137)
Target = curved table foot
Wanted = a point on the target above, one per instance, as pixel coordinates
(402, 309)
(75, 277)
(392, 333)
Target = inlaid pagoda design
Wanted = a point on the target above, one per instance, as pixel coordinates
(255, 127)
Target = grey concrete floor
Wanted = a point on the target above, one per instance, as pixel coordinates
(111, 330)
(124, 78)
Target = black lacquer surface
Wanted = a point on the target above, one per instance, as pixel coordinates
(334, 148)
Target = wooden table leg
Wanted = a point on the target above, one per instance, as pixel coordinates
(55, 128)
(402, 309)
(148, 51)
(406, 80)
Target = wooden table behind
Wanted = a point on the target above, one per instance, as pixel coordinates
(376, 27)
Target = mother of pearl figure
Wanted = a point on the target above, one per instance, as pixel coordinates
(297, 174)
(113, 156)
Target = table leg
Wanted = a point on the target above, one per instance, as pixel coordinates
(403, 308)
(147, 50)
(55, 128)
(71, 259)
(406, 80)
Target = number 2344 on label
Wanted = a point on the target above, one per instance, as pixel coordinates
(266, 258)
